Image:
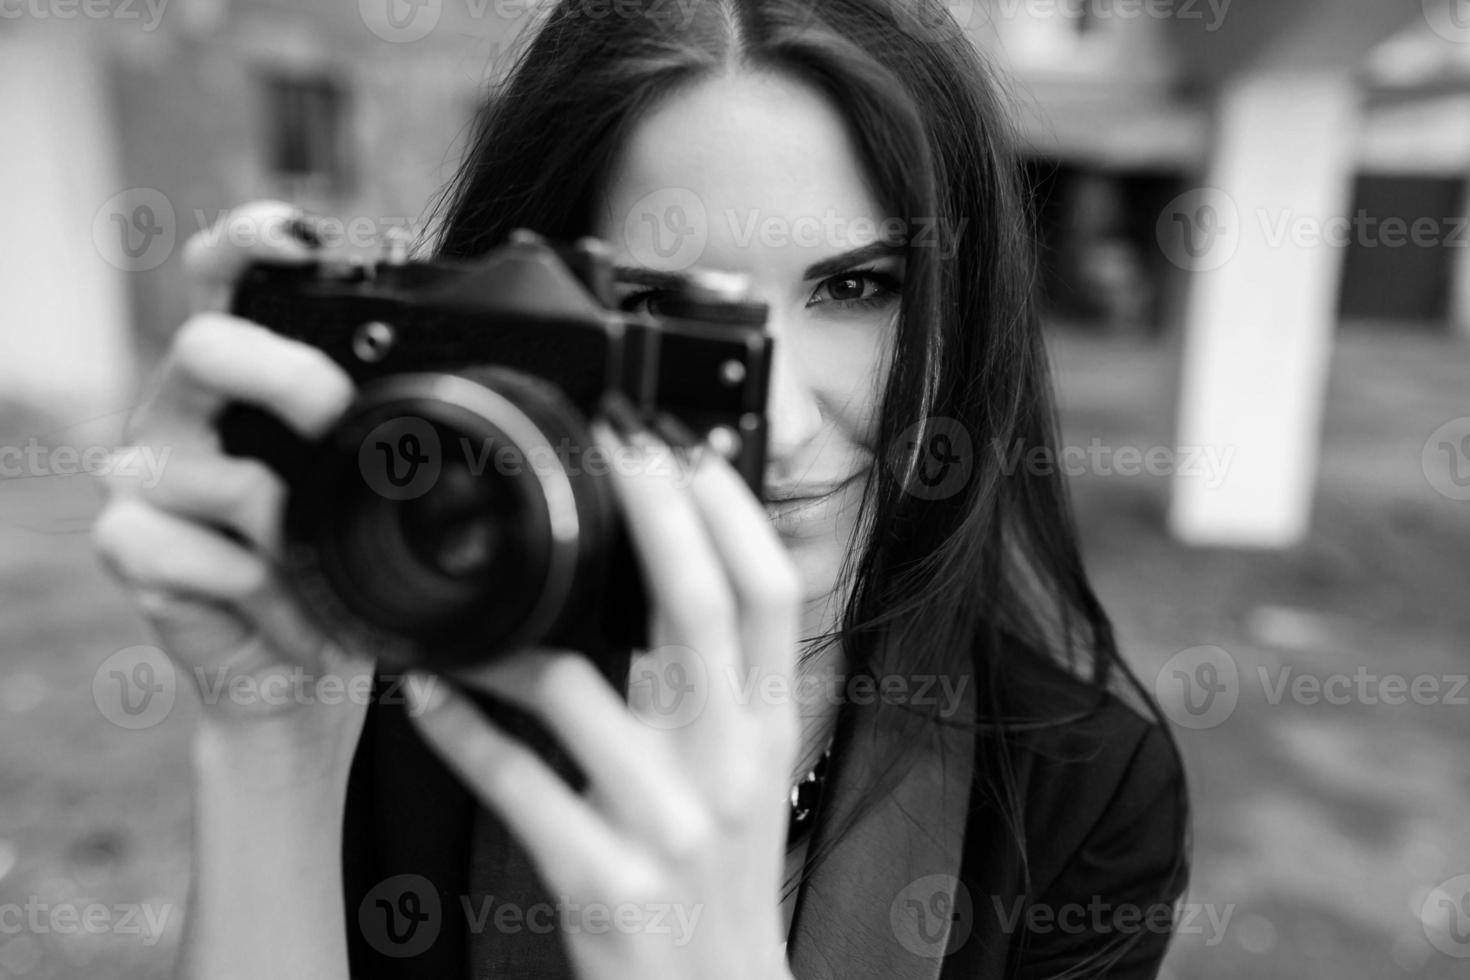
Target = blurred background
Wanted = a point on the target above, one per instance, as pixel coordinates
(1257, 268)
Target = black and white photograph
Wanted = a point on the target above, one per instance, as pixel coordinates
(735, 490)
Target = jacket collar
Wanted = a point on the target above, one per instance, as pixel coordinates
(885, 901)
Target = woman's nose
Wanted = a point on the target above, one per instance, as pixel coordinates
(792, 412)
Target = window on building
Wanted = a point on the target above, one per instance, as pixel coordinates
(306, 137)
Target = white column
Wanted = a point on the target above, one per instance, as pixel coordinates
(1460, 277)
(1264, 240)
(64, 341)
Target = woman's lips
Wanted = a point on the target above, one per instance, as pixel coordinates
(791, 508)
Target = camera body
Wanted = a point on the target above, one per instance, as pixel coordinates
(460, 509)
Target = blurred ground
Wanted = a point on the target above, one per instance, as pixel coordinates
(1320, 828)
(1324, 824)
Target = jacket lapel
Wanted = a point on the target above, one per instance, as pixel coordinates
(883, 902)
(527, 943)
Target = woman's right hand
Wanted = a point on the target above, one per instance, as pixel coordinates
(198, 549)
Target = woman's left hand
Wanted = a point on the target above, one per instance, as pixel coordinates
(685, 816)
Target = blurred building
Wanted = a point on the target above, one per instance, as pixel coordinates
(1244, 176)
(1219, 172)
(1118, 118)
(143, 120)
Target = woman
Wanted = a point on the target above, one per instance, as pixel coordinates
(997, 796)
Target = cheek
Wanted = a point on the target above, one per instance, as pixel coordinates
(848, 369)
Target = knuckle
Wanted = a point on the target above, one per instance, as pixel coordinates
(730, 806)
(688, 833)
(732, 799)
(639, 881)
(700, 603)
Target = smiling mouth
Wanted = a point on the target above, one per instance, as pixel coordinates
(800, 496)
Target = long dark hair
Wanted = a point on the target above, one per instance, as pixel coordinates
(966, 583)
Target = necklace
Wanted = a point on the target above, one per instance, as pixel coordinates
(806, 793)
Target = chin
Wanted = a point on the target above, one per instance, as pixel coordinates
(818, 562)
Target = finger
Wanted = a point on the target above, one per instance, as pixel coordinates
(765, 581)
(767, 594)
(150, 549)
(626, 767)
(689, 679)
(214, 259)
(217, 359)
(241, 495)
(189, 623)
(570, 844)
(176, 568)
(686, 582)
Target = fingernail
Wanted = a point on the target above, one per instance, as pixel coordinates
(304, 229)
(687, 447)
(623, 417)
(675, 432)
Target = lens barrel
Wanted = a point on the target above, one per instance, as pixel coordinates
(447, 519)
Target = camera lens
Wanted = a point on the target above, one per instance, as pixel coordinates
(437, 529)
(455, 527)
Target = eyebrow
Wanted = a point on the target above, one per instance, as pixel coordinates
(881, 249)
(639, 276)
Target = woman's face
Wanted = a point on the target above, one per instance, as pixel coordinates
(757, 174)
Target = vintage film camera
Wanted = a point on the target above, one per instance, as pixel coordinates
(455, 513)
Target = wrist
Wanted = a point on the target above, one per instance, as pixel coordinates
(267, 810)
(283, 755)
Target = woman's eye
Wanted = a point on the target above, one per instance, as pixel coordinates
(643, 301)
(858, 288)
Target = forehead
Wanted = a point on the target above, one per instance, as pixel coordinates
(743, 171)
